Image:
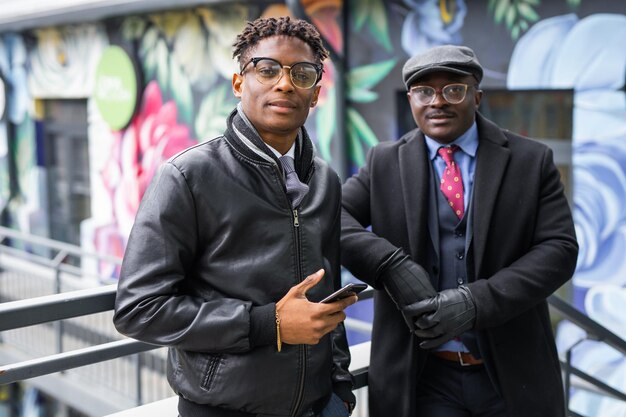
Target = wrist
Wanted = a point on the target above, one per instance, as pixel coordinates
(407, 282)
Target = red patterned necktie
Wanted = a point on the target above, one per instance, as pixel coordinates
(451, 180)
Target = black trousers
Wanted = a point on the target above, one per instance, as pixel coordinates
(448, 389)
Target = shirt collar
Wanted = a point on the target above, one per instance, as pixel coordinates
(468, 142)
(291, 152)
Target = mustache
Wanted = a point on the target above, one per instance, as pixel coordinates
(439, 113)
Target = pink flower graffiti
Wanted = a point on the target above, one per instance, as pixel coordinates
(153, 136)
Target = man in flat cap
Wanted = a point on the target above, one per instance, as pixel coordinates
(464, 230)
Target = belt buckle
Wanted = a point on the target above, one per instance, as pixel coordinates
(461, 360)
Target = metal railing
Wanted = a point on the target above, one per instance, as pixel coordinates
(40, 310)
(594, 332)
(57, 307)
(17, 314)
(49, 303)
(55, 254)
(70, 330)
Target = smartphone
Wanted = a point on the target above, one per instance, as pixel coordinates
(348, 290)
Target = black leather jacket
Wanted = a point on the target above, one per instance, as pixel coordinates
(214, 246)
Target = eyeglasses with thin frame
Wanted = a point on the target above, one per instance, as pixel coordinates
(425, 95)
(269, 71)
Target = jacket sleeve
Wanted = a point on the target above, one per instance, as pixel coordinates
(546, 264)
(151, 303)
(341, 376)
(363, 253)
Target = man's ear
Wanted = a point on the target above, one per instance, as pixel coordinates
(478, 97)
(316, 94)
(237, 85)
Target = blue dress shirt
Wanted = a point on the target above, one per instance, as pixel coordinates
(466, 160)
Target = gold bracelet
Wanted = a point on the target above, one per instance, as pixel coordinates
(279, 343)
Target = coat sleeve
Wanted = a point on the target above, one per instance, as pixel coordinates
(151, 303)
(542, 267)
(363, 253)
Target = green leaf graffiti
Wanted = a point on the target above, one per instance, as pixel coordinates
(162, 65)
(362, 128)
(360, 11)
(359, 134)
(325, 123)
(379, 24)
(147, 51)
(355, 148)
(518, 15)
(133, 28)
(361, 79)
(180, 91)
(213, 111)
(372, 14)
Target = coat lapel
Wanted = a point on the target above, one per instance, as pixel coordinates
(414, 175)
(491, 162)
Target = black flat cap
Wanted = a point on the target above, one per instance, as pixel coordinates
(450, 58)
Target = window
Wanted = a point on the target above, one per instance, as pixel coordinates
(66, 159)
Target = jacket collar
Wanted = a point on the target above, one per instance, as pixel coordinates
(414, 177)
(242, 135)
(491, 162)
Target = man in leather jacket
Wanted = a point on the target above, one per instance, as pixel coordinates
(231, 249)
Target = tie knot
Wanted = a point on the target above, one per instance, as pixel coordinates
(447, 153)
(287, 163)
(296, 190)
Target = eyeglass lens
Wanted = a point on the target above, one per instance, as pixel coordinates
(302, 74)
(452, 93)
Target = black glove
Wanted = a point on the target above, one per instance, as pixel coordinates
(406, 283)
(443, 317)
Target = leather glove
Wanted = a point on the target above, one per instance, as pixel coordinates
(445, 316)
(406, 283)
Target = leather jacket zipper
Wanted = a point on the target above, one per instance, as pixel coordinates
(302, 348)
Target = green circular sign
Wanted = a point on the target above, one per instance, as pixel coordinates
(115, 89)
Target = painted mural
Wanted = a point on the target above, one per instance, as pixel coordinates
(185, 66)
(19, 204)
(588, 55)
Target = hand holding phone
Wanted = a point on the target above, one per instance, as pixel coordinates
(348, 290)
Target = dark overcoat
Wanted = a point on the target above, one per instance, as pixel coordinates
(522, 248)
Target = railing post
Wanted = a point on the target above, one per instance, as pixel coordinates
(139, 384)
(568, 373)
(56, 262)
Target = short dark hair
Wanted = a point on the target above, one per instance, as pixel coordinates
(262, 28)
